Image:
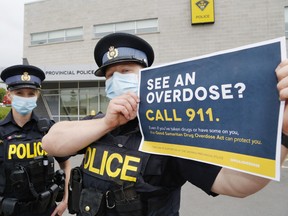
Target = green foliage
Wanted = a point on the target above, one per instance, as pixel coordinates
(2, 93)
(4, 111)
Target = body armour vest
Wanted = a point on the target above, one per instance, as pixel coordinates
(114, 164)
(26, 170)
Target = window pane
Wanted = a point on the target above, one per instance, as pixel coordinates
(103, 100)
(88, 101)
(56, 34)
(68, 85)
(128, 27)
(69, 102)
(49, 91)
(53, 103)
(68, 118)
(39, 38)
(147, 26)
(74, 32)
(102, 30)
(286, 22)
(38, 42)
(48, 85)
(55, 40)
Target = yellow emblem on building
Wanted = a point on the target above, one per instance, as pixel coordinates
(202, 11)
(202, 4)
(112, 53)
(25, 77)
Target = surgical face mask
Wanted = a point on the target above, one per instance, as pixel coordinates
(24, 105)
(120, 83)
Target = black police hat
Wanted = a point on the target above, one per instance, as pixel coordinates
(122, 47)
(22, 76)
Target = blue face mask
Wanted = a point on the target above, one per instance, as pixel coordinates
(120, 83)
(24, 105)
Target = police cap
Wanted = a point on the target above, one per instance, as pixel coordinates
(122, 47)
(22, 76)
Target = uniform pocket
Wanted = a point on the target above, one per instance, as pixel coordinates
(91, 202)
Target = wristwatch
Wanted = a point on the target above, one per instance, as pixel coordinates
(285, 140)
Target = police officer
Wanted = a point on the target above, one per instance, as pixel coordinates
(115, 179)
(28, 184)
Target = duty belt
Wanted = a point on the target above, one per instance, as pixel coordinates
(10, 206)
(120, 195)
(124, 201)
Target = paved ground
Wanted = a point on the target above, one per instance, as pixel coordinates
(271, 201)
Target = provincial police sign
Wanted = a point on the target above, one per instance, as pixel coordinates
(221, 109)
(83, 72)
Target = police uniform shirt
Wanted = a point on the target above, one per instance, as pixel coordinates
(30, 129)
(170, 175)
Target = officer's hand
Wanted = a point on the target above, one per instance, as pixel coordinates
(282, 75)
(121, 109)
(59, 210)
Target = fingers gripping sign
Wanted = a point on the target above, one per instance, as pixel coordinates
(282, 75)
(122, 109)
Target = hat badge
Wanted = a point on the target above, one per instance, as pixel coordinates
(112, 53)
(25, 77)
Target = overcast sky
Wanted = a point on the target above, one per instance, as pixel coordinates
(11, 37)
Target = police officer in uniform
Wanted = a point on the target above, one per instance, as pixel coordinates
(28, 183)
(115, 179)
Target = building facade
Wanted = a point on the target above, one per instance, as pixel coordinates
(60, 36)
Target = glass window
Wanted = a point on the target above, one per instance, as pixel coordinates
(69, 102)
(103, 100)
(102, 30)
(57, 36)
(144, 26)
(88, 84)
(74, 100)
(74, 34)
(68, 118)
(133, 27)
(50, 91)
(53, 105)
(128, 27)
(286, 22)
(39, 38)
(88, 101)
(68, 85)
(49, 85)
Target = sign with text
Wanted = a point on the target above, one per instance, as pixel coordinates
(221, 108)
(79, 72)
(202, 11)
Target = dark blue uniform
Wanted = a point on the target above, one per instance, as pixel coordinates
(128, 182)
(27, 172)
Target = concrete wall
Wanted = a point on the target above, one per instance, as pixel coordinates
(237, 23)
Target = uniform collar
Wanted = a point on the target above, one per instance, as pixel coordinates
(9, 118)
